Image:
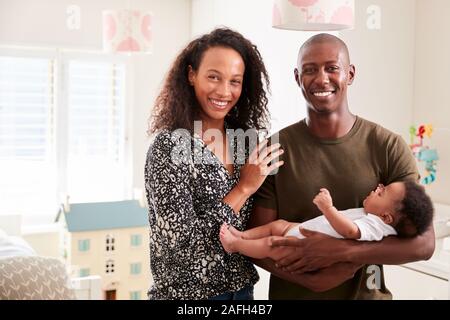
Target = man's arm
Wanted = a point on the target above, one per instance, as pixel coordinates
(318, 251)
(317, 281)
(321, 280)
(393, 250)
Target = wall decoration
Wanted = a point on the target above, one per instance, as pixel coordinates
(426, 157)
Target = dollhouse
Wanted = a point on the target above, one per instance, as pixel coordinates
(108, 239)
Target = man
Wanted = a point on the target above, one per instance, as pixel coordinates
(350, 156)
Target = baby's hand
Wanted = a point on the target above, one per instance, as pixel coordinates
(323, 200)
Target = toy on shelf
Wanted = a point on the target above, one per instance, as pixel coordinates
(423, 153)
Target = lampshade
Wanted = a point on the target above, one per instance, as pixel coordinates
(313, 15)
(127, 31)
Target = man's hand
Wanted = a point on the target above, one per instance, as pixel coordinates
(318, 281)
(315, 252)
(323, 200)
(331, 277)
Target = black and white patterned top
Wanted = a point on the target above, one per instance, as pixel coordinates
(185, 213)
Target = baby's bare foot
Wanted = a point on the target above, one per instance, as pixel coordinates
(235, 232)
(227, 239)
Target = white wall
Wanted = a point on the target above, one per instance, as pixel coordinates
(172, 31)
(42, 23)
(44, 240)
(253, 18)
(402, 73)
(383, 89)
(384, 59)
(431, 92)
(401, 69)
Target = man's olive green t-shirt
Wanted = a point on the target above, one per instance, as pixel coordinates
(349, 167)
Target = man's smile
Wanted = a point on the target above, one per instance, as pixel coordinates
(322, 93)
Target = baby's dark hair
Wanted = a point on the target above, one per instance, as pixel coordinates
(416, 211)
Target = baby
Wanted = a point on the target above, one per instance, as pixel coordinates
(401, 208)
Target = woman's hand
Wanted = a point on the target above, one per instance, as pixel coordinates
(253, 174)
(257, 168)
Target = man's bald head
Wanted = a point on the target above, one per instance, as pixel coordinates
(325, 38)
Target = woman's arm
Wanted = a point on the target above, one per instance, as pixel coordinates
(170, 198)
(168, 183)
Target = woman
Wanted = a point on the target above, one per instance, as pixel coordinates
(217, 80)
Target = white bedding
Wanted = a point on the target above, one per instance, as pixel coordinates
(11, 246)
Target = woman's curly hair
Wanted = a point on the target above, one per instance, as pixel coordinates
(177, 106)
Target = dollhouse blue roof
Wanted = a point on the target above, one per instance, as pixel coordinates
(105, 215)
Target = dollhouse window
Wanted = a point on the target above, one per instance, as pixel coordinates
(135, 268)
(84, 272)
(109, 266)
(135, 295)
(136, 240)
(109, 243)
(83, 245)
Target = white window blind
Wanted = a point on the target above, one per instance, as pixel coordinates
(27, 162)
(62, 131)
(96, 103)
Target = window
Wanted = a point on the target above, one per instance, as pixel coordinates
(84, 272)
(96, 131)
(135, 268)
(109, 243)
(27, 110)
(83, 245)
(135, 295)
(136, 240)
(62, 131)
(110, 266)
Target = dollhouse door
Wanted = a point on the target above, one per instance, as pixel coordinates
(110, 295)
